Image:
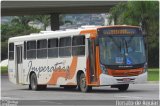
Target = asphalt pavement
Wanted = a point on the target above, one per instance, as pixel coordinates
(60, 96)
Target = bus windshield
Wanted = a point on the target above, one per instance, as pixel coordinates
(122, 50)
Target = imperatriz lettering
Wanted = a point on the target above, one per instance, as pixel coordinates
(39, 69)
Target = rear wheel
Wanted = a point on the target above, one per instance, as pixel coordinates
(34, 84)
(82, 84)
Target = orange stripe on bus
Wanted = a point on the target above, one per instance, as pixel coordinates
(98, 68)
(87, 72)
(131, 72)
(93, 34)
(63, 73)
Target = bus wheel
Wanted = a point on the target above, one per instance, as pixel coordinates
(82, 84)
(30, 87)
(33, 82)
(123, 87)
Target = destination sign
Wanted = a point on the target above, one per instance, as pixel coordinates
(118, 31)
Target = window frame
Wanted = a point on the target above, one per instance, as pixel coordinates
(25, 50)
(55, 47)
(11, 51)
(63, 47)
(84, 45)
(39, 49)
(32, 49)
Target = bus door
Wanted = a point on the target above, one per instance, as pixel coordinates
(92, 61)
(19, 65)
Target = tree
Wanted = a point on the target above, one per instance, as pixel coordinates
(18, 27)
(145, 14)
(24, 20)
(4, 50)
(44, 19)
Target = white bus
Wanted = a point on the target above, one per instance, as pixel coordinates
(85, 57)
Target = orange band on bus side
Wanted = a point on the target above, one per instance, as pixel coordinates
(93, 34)
(129, 72)
(64, 73)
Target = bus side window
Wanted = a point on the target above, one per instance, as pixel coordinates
(31, 49)
(24, 50)
(42, 48)
(78, 45)
(65, 47)
(11, 51)
(53, 47)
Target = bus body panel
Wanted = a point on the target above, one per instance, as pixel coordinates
(59, 71)
(63, 70)
(12, 71)
(110, 80)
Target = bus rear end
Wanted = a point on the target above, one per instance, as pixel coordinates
(122, 56)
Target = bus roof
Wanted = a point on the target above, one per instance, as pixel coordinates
(61, 33)
(50, 34)
(112, 26)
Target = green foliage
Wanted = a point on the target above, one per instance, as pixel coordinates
(23, 20)
(45, 19)
(4, 70)
(144, 14)
(153, 74)
(4, 50)
(18, 27)
(15, 29)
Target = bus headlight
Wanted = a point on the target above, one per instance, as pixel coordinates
(145, 68)
(104, 70)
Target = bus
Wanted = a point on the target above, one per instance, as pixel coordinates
(86, 57)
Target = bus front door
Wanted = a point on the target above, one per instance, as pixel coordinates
(92, 61)
(19, 65)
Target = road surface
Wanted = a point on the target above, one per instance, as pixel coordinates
(148, 91)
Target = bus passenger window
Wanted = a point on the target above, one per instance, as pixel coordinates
(53, 47)
(42, 48)
(78, 45)
(24, 50)
(65, 47)
(11, 51)
(31, 49)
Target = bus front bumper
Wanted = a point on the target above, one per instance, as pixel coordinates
(110, 80)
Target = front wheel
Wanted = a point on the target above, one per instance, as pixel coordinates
(123, 87)
(82, 84)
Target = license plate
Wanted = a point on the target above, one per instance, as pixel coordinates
(126, 80)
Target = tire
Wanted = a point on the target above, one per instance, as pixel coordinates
(123, 87)
(33, 82)
(82, 84)
(29, 87)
